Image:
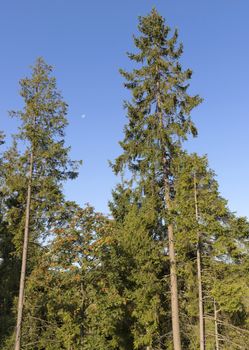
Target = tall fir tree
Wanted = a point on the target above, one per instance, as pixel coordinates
(34, 176)
(158, 121)
(103, 283)
(144, 289)
(219, 240)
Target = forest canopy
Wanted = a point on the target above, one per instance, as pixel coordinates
(167, 269)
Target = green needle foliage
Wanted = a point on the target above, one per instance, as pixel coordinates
(9, 266)
(40, 138)
(130, 281)
(158, 121)
(224, 250)
(142, 265)
(159, 113)
(42, 131)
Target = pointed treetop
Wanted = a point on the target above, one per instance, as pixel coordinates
(159, 113)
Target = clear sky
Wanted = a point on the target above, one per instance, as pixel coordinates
(86, 42)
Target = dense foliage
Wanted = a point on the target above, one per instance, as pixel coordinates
(130, 281)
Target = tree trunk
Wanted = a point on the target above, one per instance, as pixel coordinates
(173, 270)
(24, 260)
(198, 254)
(173, 279)
(217, 347)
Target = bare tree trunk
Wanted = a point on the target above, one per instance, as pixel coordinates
(200, 292)
(217, 347)
(173, 279)
(24, 260)
(174, 291)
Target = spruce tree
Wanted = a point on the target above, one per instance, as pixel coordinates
(158, 121)
(34, 176)
(219, 240)
(143, 283)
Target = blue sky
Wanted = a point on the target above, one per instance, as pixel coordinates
(86, 42)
